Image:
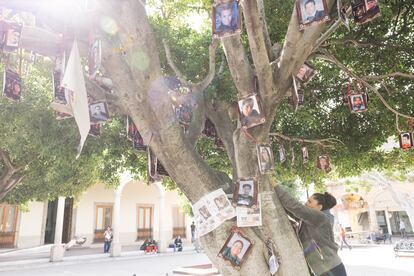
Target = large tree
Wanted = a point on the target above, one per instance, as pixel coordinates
(271, 48)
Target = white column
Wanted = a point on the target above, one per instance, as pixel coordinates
(115, 245)
(116, 216)
(163, 240)
(58, 251)
(387, 219)
(373, 224)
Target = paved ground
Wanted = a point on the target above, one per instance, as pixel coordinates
(376, 261)
(360, 261)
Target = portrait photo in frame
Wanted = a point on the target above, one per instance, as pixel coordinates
(306, 73)
(342, 14)
(305, 154)
(95, 130)
(62, 115)
(311, 12)
(236, 248)
(406, 140)
(245, 192)
(358, 102)
(226, 18)
(250, 111)
(323, 163)
(282, 154)
(98, 112)
(183, 113)
(94, 58)
(364, 11)
(12, 37)
(265, 158)
(12, 85)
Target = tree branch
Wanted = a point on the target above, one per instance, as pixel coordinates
(296, 49)
(331, 58)
(239, 65)
(325, 36)
(256, 30)
(6, 160)
(212, 65)
(171, 63)
(327, 142)
(390, 75)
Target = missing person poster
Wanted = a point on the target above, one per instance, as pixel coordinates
(249, 216)
(211, 211)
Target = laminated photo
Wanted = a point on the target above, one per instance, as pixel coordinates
(245, 192)
(251, 112)
(226, 18)
(12, 85)
(311, 12)
(98, 112)
(236, 249)
(212, 210)
(13, 33)
(249, 216)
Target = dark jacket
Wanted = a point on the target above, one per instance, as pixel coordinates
(316, 229)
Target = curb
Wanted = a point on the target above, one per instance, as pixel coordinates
(92, 258)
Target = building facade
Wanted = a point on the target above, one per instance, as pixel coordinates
(146, 211)
(381, 208)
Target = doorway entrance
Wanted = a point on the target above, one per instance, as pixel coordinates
(51, 221)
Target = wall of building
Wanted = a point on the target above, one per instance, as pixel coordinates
(30, 226)
(378, 199)
(134, 194)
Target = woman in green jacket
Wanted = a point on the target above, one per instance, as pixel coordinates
(315, 231)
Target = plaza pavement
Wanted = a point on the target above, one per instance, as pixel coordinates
(372, 260)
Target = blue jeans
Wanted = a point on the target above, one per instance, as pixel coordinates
(107, 245)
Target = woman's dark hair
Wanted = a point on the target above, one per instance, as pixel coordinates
(327, 200)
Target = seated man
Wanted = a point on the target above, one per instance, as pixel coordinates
(145, 244)
(178, 244)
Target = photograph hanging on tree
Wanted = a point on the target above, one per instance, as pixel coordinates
(249, 216)
(358, 102)
(323, 163)
(265, 158)
(245, 192)
(155, 169)
(306, 73)
(183, 113)
(58, 91)
(282, 154)
(94, 58)
(98, 112)
(12, 85)
(62, 115)
(342, 15)
(226, 18)
(12, 37)
(311, 12)
(406, 140)
(236, 248)
(95, 130)
(251, 113)
(212, 210)
(365, 10)
(134, 135)
(305, 154)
